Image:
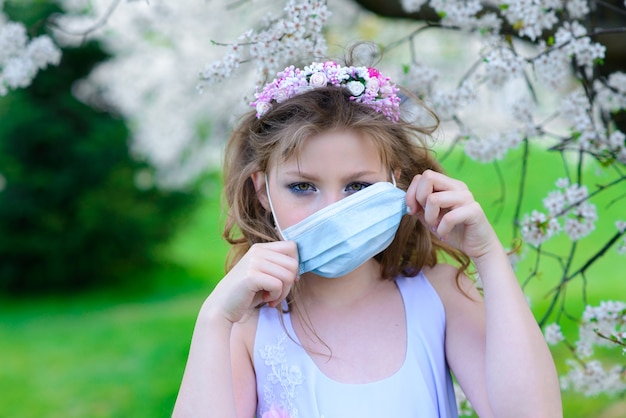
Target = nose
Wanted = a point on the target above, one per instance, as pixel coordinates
(329, 198)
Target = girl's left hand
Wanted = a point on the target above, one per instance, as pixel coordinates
(447, 207)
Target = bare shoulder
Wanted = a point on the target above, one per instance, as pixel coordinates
(455, 290)
(244, 331)
(242, 363)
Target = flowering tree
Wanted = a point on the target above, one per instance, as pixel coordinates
(524, 48)
(542, 66)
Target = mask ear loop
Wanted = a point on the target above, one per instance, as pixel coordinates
(393, 179)
(269, 199)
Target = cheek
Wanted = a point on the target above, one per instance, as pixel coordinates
(290, 216)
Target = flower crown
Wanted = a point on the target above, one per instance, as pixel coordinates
(366, 85)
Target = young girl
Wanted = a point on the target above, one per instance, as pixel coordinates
(338, 302)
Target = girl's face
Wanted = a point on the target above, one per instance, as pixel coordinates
(330, 166)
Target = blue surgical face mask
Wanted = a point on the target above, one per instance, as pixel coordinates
(337, 239)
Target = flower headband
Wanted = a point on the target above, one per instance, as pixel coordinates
(366, 85)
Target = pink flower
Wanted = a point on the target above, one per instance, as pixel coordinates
(373, 72)
(275, 412)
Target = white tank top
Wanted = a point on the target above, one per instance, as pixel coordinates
(290, 385)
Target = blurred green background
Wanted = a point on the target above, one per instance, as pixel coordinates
(101, 280)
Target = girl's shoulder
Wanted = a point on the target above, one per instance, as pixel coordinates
(244, 331)
(455, 290)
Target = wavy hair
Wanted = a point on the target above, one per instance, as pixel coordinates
(279, 135)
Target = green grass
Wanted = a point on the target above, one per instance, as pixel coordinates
(120, 352)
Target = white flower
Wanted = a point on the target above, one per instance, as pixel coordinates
(538, 228)
(42, 52)
(262, 108)
(592, 378)
(562, 183)
(552, 68)
(492, 147)
(612, 95)
(554, 202)
(502, 65)
(411, 6)
(281, 95)
(19, 72)
(386, 89)
(577, 9)
(373, 85)
(420, 79)
(356, 88)
(553, 334)
(318, 79)
(531, 17)
(458, 13)
(13, 40)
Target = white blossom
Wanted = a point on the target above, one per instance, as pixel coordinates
(607, 319)
(420, 79)
(531, 17)
(459, 13)
(592, 378)
(611, 96)
(570, 204)
(502, 65)
(577, 9)
(295, 35)
(447, 103)
(538, 228)
(553, 334)
(13, 40)
(555, 202)
(552, 67)
(412, 6)
(572, 40)
(522, 111)
(21, 59)
(492, 147)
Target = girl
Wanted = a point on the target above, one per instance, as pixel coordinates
(338, 301)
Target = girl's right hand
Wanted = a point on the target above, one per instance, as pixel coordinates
(264, 274)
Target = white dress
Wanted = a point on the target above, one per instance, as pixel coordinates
(290, 385)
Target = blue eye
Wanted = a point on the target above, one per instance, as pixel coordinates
(357, 186)
(302, 187)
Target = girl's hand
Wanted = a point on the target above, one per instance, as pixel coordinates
(264, 274)
(448, 208)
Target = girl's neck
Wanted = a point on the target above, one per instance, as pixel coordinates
(342, 291)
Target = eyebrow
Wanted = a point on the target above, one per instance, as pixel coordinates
(309, 176)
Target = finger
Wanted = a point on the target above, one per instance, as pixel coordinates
(467, 215)
(268, 289)
(439, 203)
(281, 253)
(288, 248)
(280, 261)
(411, 201)
(432, 181)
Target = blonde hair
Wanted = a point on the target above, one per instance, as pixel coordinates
(279, 135)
